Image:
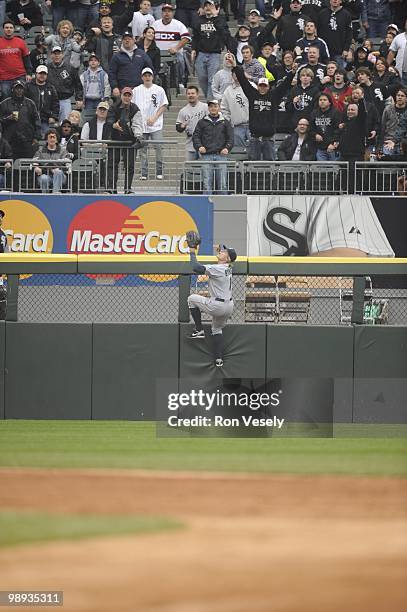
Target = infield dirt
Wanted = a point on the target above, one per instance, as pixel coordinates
(250, 543)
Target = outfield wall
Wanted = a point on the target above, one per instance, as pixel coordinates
(110, 371)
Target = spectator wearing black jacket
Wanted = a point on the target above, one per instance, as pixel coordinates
(149, 46)
(21, 122)
(354, 8)
(303, 96)
(39, 55)
(263, 102)
(314, 64)
(373, 119)
(68, 136)
(299, 146)
(66, 81)
(26, 14)
(324, 128)
(126, 123)
(291, 27)
(213, 140)
(335, 27)
(359, 61)
(209, 37)
(45, 97)
(120, 20)
(375, 94)
(353, 132)
(385, 77)
(104, 43)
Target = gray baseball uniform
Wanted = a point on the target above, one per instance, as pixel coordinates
(220, 303)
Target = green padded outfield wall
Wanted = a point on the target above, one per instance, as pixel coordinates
(48, 371)
(2, 355)
(380, 384)
(127, 360)
(315, 367)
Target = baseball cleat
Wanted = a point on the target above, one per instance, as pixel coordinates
(197, 334)
(219, 363)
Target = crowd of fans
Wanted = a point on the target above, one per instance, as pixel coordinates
(329, 74)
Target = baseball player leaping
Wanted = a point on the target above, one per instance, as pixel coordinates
(220, 303)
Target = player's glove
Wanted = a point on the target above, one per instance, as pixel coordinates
(193, 239)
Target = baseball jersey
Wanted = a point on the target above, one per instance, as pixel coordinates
(168, 35)
(191, 115)
(149, 100)
(220, 281)
(140, 22)
(303, 225)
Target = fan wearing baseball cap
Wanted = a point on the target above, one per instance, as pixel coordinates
(126, 65)
(171, 35)
(45, 97)
(152, 101)
(263, 102)
(96, 87)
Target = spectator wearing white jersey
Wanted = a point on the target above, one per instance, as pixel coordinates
(172, 35)
(142, 19)
(152, 102)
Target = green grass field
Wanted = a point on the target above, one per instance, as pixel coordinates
(359, 450)
(28, 527)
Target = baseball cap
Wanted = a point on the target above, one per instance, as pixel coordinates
(18, 84)
(147, 70)
(56, 48)
(296, 2)
(393, 26)
(213, 102)
(127, 90)
(128, 33)
(104, 105)
(2, 213)
(94, 55)
(243, 25)
(254, 11)
(263, 81)
(167, 5)
(42, 68)
(208, 2)
(231, 252)
(364, 49)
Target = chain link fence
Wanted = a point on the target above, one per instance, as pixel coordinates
(156, 298)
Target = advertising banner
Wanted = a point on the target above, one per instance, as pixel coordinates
(145, 225)
(309, 225)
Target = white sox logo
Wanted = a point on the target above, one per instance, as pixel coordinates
(240, 101)
(276, 232)
(154, 100)
(64, 74)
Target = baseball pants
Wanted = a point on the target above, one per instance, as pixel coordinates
(219, 311)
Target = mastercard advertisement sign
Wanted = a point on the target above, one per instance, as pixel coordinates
(127, 225)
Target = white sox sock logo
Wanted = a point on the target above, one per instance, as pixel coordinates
(270, 226)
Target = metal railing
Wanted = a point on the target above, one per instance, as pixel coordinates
(266, 176)
(6, 174)
(44, 175)
(118, 167)
(384, 178)
(112, 166)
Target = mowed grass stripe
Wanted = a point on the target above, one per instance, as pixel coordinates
(134, 445)
(28, 527)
